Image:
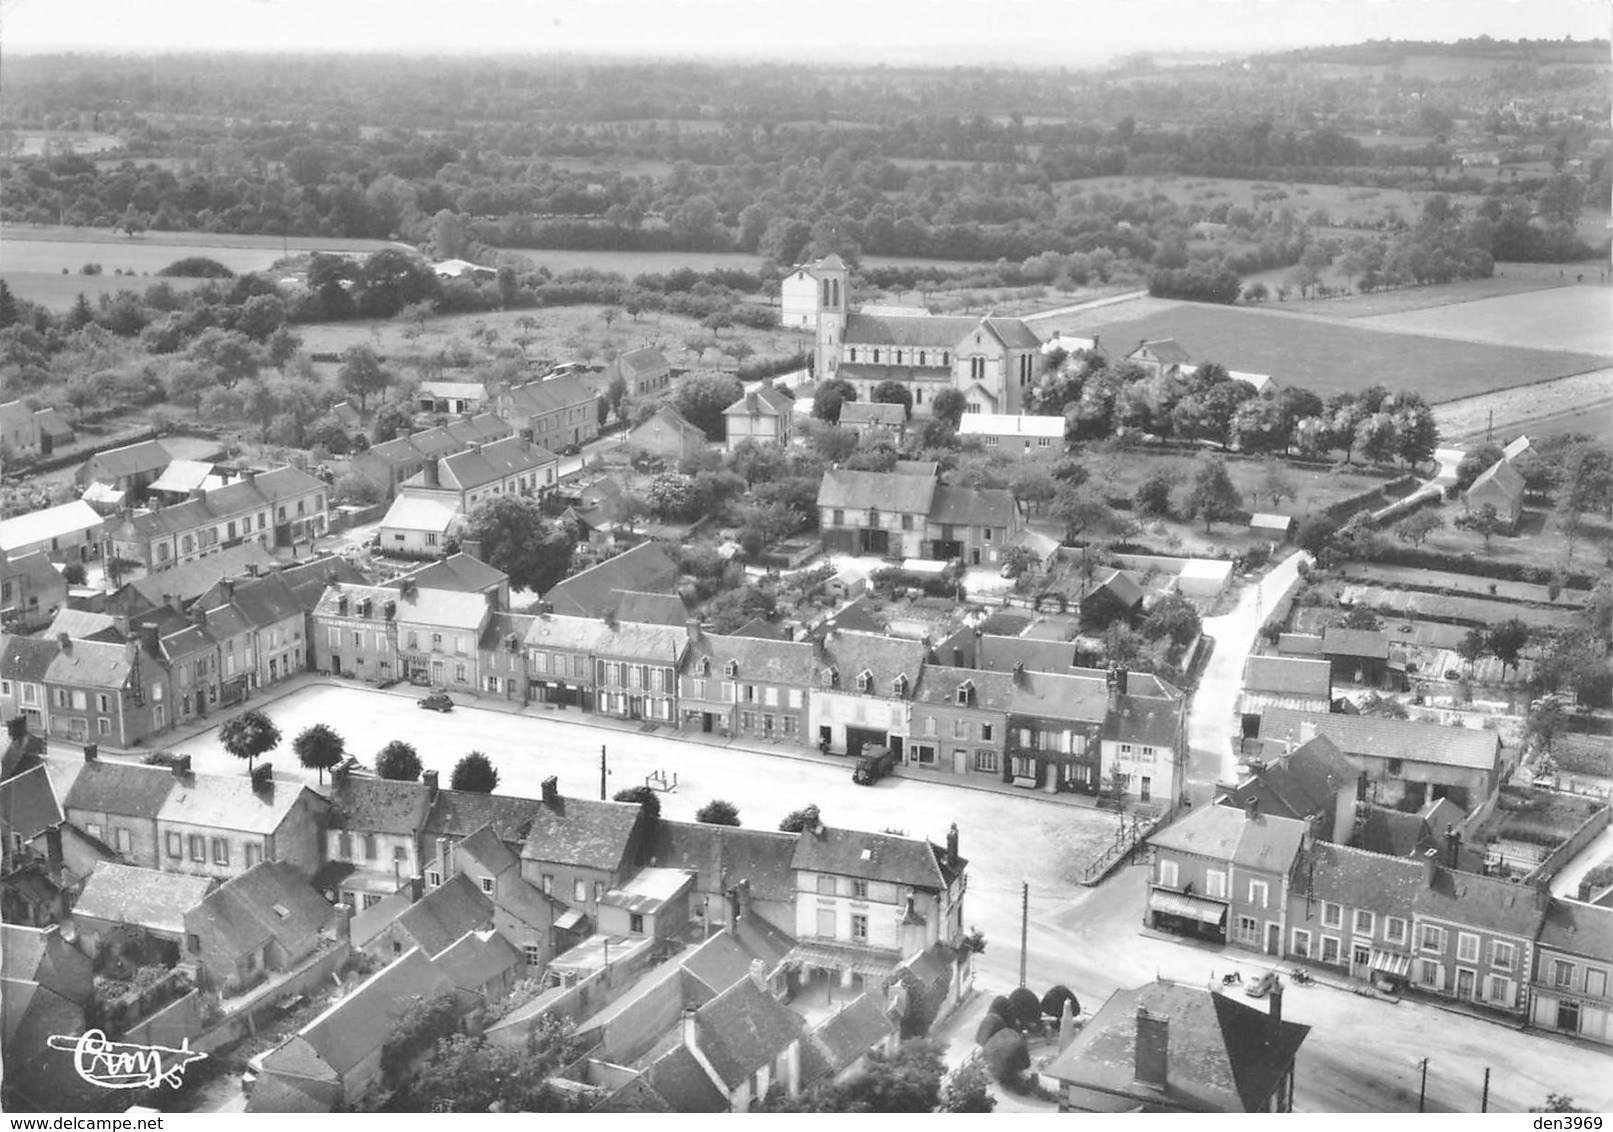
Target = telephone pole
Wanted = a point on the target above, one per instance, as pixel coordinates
(1422, 1089)
(602, 772)
(1484, 1101)
(1024, 926)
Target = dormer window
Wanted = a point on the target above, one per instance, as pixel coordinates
(966, 691)
(703, 666)
(831, 677)
(865, 680)
(731, 668)
(873, 516)
(899, 685)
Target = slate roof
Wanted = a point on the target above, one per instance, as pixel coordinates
(484, 847)
(719, 962)
(1052, 695)
(1503, 476)
(1122, 585)
(583, 831)
(873, 412)
(1167, 350)
(637, 1096)
(1291, 675)
(477, 958)
(430, 608)
(992, 691)
(51, 522)
(192, 579)
(1224, 1056)
(852, 653)
(35, 570)
(939, 332)
(681, 1081)
(1483, 902)
(972, 507)
(645, 568)
(27, 659)
(43, 957)
(459, 813)
(650, 609)
(889, 492)
(1392, 833)
(1387, 738)
(1299, 644)
(360, 1023)
(278, 1094)
(722, 856)
(217, 802)
(668, 418)
(501, 627)
(1373, 643)
(1228, 833)
(119, 788)
(28, 804)
(763, 401)
(271, 900)
(1299, 784)
(241, 497)
(1149, 720)
(145, 898)
(1356, 878)
(130, 460)
(184, 475)
(259, 602)
(645, 359)
(84, 625)
(538, 397)
(421, 513)
(1577, 928)
(758, 660)
(445, 913)
(52, 423)
(852, 1032)
(743, 1029)
(649, 889)
(379, 805)
(491, 462)
(869, 856)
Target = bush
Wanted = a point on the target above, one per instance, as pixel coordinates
(645, 797)
(1053, 1001)
(73, 573)
(989, 1025)
(1026, 1007)
(197, 267)
(718, 812)
(1008, 1057)
(797, 820)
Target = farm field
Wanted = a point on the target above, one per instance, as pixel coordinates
(1565, 318)
(1416, 577)
(1515, 278)
(57, 292)
(1327, 356)
(49, 250)
(1582, 403)
(1344, 203)
(1538, 542)
(629, 264)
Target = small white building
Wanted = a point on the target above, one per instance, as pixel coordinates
(67, 533)
(418, 526)
(1039, 437)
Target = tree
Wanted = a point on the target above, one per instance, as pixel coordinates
(1314, 534)
(1361, 618)
(282, 346)
(474, 773)
(1153, 496)
(362, 374)
(1211, 495)
(1053, 1001)
(391, 421)
(517, 538)
(949, 405)
(468, 1074)
(967, 1089)
(797, 820)
(718, 812)
(1507, 640)
(1008, 1057)
(831, 395)
(73, 573)
(1032, 486)
(1173, 616)
(893, 393)
(1473, 464)
(1416, 528)
(1082, 511)
(1026, 1007)
(647, 799)
(399, 762)
(702, 400)
(1275, 483)
(318, 747)
(1548, 718)
(1474, 645)
(989, 1025)
(907, 1081)
(1486, 520)
(249, 735)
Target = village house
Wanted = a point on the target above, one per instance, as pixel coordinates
(267, 919)
(577, 849)
(1055, 730)
(556, 414)
(743, 877)
(875, 513)
(455, 397)
(269, 624)
(19, 431)
(864, 685)
(121, 904)
(32, 592)
(731, 1052)
(1283, 681)
(501, 656)
(1145, 740)
(482, 963)
(652, 903)
(765, 415)
(1573, 955)
(643, 371)
(593, 592)
(388, 464)
(974, 526)
(1359, 656)
(117, 804)
(32, 880)
(1161, 357)
(181, 477)
(419, 526)
(184, 584)
(636, 670)
(1353, 911)
(1403, 759)
(1499, 486)
(24, 663)
(1314, 782)
(211, 825)
(372, 836)
(1164, 1047)
(482, 472)
(50, 989)
(432, 922)
(462, 572)
(874, 422)
(1223, 873)
(667, 434)
(743, 686)
(560, 660)
(1016, 437)
(523, 914)
(1474, 936)
(1115, 596)
(277, 509)
(128, 470)
(102, 692)
(959, 721)
(850, 1039)
(69, 532)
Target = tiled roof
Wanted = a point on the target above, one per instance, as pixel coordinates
(1392, 833)
(1051, 695)
(1503, 476)
(644, 568)
(869, 856)
(884, 658)
(445, 913)
(477, 958)
(756, 660)
(119, 788)
(1578, 928)
(35, 570)
(52, 522)
(261, 602)
(649, 889)
(650, 609)
(378, 805)
(993, 691)
(861, 491)
(1356, 878)
(1224, 1056)
(1228, 833)
(583, 831)
(1123, 585)
(1152, 721)
(1288, 674)
(192, 579)
(484, 847)
(851, 1033)
(764, 401)
(492, 462)
(271, 900)
(1167, 350)
(722, 856)
(146, 898)
(937, 332)
(216, 802)
(972, 506)
(130, 460)
(538, 397)
(27, 659)
(42, 956)
(1337, 641)
(459, 813)
(1387, 738)
(185, 475)
(638, 1096)
(1299, 644)
(743, 1029)
(360, 1023)
(429, 608)
(645, 359)
(1300, 784)
(242, 497)
(501, 627)
(28, 804)
(1483, 902)
(682, 1082)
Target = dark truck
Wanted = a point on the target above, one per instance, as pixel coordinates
(875, 764)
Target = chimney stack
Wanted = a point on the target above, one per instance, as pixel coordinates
(429, 475)
(180, 766)
(690, 1038)
(150, 639)
(263, 778)
(228, 585)
(1151, 1062)
(1252, 810)
(17, 728)
(551, 791)
(430, 779)
(417, 889)
(952, 846)
(53, 853)
(91, 752)
(758, 974)
(64, 642)
(471, 547)
(1430, 866)
(198, 616)
(1453, 848)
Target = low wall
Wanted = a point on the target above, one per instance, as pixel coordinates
(170, 1026)
(1588, 831)
(582, 998)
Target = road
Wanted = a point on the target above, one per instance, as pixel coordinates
(1212, 720)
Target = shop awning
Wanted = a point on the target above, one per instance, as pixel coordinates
(1187, 907)
(1391, 963)
(870, 963)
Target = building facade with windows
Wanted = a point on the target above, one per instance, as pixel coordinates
(556, 413)
(636, 670)
(1144, 740)
(959, 722)
(372, 836)
(502, 659)
(210, 825)
(747, 686)
(1055, 727)
(863, 691)
(1354, 911)
(103, 692)
(1573, 964)
(275, 509)
(1473, 938)
(1017, 437)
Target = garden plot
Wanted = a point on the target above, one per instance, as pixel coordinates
(1469, 584)
(1466, 610)
(1563, 318)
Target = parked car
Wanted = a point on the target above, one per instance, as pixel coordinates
(875, 764)
(437, 701)
(1261, 987)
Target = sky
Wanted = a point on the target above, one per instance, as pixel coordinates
(1034, 32)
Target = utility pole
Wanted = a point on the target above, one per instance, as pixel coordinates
(1422, 1090)
(1024, 926)
(1484, 1102)
(602, 772)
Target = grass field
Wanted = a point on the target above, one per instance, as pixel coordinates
(52, 249)
(1326, 356)
(1566, 318)
(1119, 474)
(57, 292)
(1517, 278)
(1343, 202)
